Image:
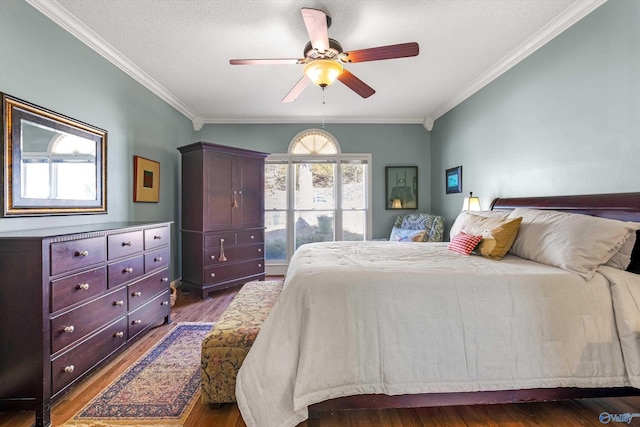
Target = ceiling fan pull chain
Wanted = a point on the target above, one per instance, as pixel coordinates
(323, 108)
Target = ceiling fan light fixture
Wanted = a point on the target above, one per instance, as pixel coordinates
(323, 72)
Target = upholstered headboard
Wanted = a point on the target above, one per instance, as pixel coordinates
(620, 206)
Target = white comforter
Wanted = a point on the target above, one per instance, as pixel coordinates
(398, 318)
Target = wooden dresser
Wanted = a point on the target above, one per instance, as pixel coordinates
(70, 298)
(222, 216)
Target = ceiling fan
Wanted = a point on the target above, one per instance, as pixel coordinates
(323, 58)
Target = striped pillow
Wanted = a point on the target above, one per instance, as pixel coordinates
(464, 243)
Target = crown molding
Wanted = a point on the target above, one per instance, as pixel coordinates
(578, 10)
(312, 119)
(52, 10)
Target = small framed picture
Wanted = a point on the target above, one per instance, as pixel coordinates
(453, 180)
(146, 180)
(401, 187)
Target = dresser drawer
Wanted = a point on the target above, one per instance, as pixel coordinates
(124, 244)
(79, 287)
(75, 324)
(156, 259)
(233, 254)
(213, 240)
(222, 273)
(70, 365)
(249, 237)
(155, 237)
(141, 291)
(75, 254)
(125, 271)
(148, 314)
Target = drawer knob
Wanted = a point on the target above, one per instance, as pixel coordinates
(69, 329)
(259, 265)
(136, 322)
(157, 237)
(69, 369)
(119, 334)
(259, 250)
(136, 294)
(157, 259)
(82, 253)
(213, 274)
(83, 286)
(164, 303)
(128, 270)
(164, 279)
(126, 243)
(253, 237)
(118, 303)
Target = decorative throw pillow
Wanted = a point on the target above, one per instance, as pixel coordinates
(573, 242)
(406, 235)
(459, 223)
(497, 234)
(464, 243)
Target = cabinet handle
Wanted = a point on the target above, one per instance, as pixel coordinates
(234, 203)
(128, 270)
(118, 303)
(157, 259)
(136, 322)
(164, 279)
(213, 274)
(164, 303)
(82, 253)
(222, 258)
(68, 329)
(69, 369)
(136, 294)
(157, 237)
(126, 243)
(83, 286)
(118, 334)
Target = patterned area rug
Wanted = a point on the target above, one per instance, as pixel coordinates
(160, 389)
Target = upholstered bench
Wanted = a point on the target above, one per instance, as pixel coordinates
(227, 344)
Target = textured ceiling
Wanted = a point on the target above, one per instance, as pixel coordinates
(180, 49)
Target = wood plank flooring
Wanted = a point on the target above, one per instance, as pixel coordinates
(189, 308)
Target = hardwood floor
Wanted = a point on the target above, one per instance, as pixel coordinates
(189, 308)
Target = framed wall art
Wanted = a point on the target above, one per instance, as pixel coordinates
(401, 187)
(146, 179)
(453, 180)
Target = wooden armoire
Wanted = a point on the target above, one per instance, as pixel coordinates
(222, 216)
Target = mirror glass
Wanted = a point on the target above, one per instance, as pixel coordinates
(54, 164)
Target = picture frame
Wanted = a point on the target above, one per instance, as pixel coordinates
(453, 180)
(53, 164)
(146, 179)
(401, 187)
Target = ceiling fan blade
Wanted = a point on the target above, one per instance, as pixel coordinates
(275, 61)
(355, 84)
(393, 51)
(296, 90)
(316, 22)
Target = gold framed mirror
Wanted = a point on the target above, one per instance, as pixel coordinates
(53, 164)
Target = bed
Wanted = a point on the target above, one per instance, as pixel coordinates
(386, 324)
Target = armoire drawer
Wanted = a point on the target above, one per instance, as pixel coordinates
(125, 271)
(140, 292)
(79, 287)
(214, 240)
(156, 237)
(70, 365)
(222, 273)
(148, 314)
(75, 254)
(249, 237)
(156, 259)
(124, 244)
(75, 324)
(233, 254)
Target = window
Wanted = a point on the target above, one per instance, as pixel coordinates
(314, 193)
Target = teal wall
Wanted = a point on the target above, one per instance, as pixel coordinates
(390, 145)
(43, 64)
(564, 121)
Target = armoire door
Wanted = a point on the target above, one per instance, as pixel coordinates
(250, 212)
(219, 186)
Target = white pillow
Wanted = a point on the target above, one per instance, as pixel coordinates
(573, 242)
(622, 258)
(461, 220)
